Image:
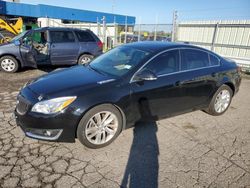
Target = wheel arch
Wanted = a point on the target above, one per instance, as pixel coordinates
(226, 80)
(107, 103)
(84, 53)
(8, 54)
(231, 85)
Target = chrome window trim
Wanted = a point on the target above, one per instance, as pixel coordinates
(208, 55)
(215, 57)
(131, 80)
(209, 59)
(161, 75)
(180, 71)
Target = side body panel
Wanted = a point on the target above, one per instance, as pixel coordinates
(16, 51)
(64, 52)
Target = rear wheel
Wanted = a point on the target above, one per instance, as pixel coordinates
(85, 59)
(220, 101)
(8, 64)
(100, 126)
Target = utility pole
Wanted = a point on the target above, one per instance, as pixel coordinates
(156, 25)
(113, 6)
(115, 32)
(174, 25)
(139, 30)
(115, 26)
(126, 29)
(104, 32)
(98, 26)
(47, 21)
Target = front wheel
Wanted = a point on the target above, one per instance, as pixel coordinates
(85, 59)
(8, 64)
(100, 126)
(220, 101)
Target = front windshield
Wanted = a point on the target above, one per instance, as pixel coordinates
(119, 61)
(19, 36)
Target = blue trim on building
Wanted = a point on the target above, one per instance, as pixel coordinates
(47, 11)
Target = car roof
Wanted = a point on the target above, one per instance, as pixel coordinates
(59, 29)
(158, 46)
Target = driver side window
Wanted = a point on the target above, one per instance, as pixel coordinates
(165, 63)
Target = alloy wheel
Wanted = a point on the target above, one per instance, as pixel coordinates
(101, 127)
(222, 101)
(85, 60)
(8, 65)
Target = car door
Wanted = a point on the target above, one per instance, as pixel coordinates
(27, 51)
(40, 46)
(164, 96)
(198, 79)
(63, 47)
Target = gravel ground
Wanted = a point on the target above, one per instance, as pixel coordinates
(191, 150)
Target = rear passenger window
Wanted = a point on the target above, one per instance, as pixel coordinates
(62, 36)
(165, 63)
(214, 60)
(193, 59)
(84, 36)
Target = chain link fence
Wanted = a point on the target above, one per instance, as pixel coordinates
(151, 32)
(113, 34)
(229, 39)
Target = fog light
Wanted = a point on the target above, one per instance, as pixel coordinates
(48, 133)
(45, 134)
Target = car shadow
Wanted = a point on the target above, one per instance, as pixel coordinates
(142, 166)
(51, 68)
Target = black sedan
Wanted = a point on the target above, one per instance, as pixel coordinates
(134, 82)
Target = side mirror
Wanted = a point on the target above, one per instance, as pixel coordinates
(17, 42)
(145, 74)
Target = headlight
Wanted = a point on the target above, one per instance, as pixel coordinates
(53, 105)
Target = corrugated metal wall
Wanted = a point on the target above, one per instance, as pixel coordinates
(227, 38)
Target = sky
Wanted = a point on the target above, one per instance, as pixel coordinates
(161, 11)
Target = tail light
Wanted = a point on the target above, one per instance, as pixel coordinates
(100, 45)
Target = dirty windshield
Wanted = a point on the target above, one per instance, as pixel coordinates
(119, 61)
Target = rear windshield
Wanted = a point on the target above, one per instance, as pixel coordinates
(84, 36)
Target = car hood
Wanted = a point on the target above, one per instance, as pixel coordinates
(67, 80)
(7, 45)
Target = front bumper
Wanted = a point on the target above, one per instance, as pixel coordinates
(57, 127)
(43, 134)
(60, 127)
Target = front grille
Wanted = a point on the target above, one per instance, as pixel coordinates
(22, 105)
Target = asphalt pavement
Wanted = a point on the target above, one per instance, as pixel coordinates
(190, 150)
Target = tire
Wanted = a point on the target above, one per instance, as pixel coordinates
(9, 64)
(215, 107)
(85, 59)
(94, 134)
